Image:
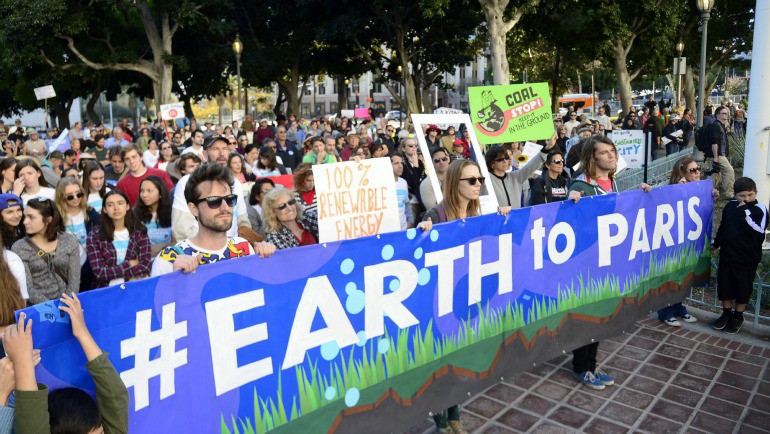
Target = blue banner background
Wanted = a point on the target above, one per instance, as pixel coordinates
(193, 406)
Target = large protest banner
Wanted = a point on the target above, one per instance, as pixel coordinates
(511, 113)
(368, 335)
(356, 199)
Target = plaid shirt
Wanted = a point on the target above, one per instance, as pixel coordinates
(285, 239)
(104, 258)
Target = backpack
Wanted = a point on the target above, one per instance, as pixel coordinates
(702, 138)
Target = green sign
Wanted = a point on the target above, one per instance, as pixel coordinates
(511, 113)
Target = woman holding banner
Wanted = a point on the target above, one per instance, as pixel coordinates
(553, 184)
(286, 223)
(462, 187)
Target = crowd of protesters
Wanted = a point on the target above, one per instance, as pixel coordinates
(131, 202)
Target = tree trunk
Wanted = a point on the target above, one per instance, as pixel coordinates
(188, 111)
(279, 99)
(689, 89)
(91, 107)
(60, 115)
(342, 99)
(497, 41)
(624, 79)
(427, 102)
(555, 81)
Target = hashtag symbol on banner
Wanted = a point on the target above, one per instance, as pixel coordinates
(139, 346)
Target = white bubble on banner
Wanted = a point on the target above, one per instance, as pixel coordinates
(387, 252)
(355, 302)
(331, 393)
(394, 285)
(411, 233)
(383, 346)
(434, 235)
(352, 396)
(418, 253)
(330, 350)
(361, 338)
(347, 266)
(423, 277)
(350, 287)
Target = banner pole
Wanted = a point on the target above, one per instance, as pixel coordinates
(646, 154)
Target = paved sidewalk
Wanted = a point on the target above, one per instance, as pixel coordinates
(690, 379)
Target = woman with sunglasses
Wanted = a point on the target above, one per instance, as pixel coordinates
(509, 186)
(119, 248)
(34, 184)
(553, 184)
(78, 217)
(11, 219)
(286, 222)
(51, 256)
(153, 210)
(168, 154)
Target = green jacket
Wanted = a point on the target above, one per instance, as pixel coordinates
(589, 187)
(111, 397)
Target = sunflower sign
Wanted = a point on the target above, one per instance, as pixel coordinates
(511, 113)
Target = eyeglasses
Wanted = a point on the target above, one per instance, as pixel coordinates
(501, 159)
(76, 195)
(390, 130)
(441, 160)
(283, 206)
(233, 143)
(472, 180)
(411, 146)
(557, 162)
(694, 170)
(215, 202)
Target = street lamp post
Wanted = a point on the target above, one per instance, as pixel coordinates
(704, 6)
(238, 49)
(679, 49)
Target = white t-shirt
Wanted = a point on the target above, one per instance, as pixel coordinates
(44, 192)
(120, 241)
(76, 225)
(180, 206)
(198, 152)
(150, 159)
(402, 194)
(155, 233)
(236, 247)
(16, 265)
(94, 200)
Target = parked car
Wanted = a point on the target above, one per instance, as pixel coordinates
(396, 115)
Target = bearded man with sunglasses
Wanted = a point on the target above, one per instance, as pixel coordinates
(210, 199)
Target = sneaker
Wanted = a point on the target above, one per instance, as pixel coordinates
(589, 379)
(673, 322)
(457, 427)
(733, 325)
(689, 318)
(603, 377)
(721, 322)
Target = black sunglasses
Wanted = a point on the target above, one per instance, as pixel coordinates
(694, 170)
(557, 161)
(215, 202)
(73, 196)
(472, 180)
(282, 207)
(501, 159)
(440, 160)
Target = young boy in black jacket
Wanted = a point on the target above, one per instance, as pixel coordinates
(740, 237)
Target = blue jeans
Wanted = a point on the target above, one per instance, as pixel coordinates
(676, 310)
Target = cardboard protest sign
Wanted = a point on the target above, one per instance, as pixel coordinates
(511, 113)
(172, 111)
(44, 92)
(488, 199)
(355, 199)
(446, 111)
(361, 113)
(369, 335)
(630, 144)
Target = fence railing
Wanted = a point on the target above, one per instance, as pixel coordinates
(760, 285)
(658, 171)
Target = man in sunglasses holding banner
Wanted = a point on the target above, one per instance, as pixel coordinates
(210, 199)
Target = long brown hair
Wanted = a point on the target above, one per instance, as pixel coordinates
(679, 170)
(451, 202)
(587, 160)
(10, 296)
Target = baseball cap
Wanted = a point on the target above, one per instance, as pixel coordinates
(209, 141)
(7, 200)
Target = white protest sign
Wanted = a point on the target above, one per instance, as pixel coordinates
(487, 198)
(446, 111)
(173, 111)
(630, 144)
(239, 115)
(356, 199)
(44, 92)
(529, 151)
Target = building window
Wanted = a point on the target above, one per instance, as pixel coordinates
(322, 89)
(304, 109)
(319, 109)
(308, 89)
(333, 107)
(335, 88)
(378, 87)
